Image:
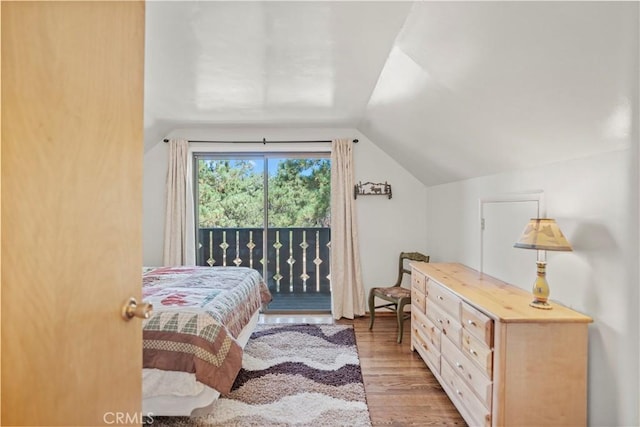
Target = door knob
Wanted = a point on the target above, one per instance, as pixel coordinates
(132, 309)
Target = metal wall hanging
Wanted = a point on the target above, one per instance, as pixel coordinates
(372, 189)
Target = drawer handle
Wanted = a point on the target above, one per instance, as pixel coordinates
(440, 321)
(471, 322)
(472, 351)
(440, 298)
(424, 346)
(423, 325)
(459, 365)
(458, 392)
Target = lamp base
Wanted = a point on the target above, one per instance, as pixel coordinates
(541, 304)
(541, 288)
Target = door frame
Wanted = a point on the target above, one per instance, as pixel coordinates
(536, 196)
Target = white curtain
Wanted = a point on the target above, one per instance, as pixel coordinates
(179, 229)
(347, 289)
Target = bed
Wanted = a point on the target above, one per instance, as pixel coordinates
(192, 343)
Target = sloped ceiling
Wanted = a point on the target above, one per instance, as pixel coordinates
(302, 64)
(451, 90)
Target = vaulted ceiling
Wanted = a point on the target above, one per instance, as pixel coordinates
(451, 90)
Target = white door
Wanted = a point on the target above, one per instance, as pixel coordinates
(72, 110)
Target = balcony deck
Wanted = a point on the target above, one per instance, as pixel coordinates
(316, 302)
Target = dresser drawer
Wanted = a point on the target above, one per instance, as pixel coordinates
(418, 281)
(462, 395)
(445, 322)
(427, 328)
(475, 377)
(418, 300)
(429, 353)
(449, 301)
(478, 324)
(477, 351)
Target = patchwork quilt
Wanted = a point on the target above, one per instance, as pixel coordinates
(198, 312)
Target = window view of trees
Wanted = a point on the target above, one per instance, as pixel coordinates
(231, 193)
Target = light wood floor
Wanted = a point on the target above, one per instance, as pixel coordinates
(400, 389)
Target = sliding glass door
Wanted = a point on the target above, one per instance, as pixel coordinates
(270, 212)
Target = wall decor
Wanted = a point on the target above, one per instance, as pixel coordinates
(372, 189)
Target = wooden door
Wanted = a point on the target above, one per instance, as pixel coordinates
(72, 109)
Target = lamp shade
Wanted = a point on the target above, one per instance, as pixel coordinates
(543, 234)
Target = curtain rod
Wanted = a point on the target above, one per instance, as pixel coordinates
(264, 141)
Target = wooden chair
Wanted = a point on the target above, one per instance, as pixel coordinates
(397, 296)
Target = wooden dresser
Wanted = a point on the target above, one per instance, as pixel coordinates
(502, 362)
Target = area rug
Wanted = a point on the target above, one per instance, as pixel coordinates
(292, 375)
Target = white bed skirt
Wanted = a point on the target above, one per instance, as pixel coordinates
(171, 393)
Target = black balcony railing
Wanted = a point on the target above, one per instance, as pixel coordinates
(297, 261)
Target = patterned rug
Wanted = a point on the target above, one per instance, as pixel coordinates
(292, 375)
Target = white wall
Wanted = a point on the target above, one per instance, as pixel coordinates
(595, 201)
(386, 227)
(153, 207)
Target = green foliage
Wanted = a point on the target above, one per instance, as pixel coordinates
(231, 193)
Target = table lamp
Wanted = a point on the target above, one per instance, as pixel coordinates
(542, 234)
